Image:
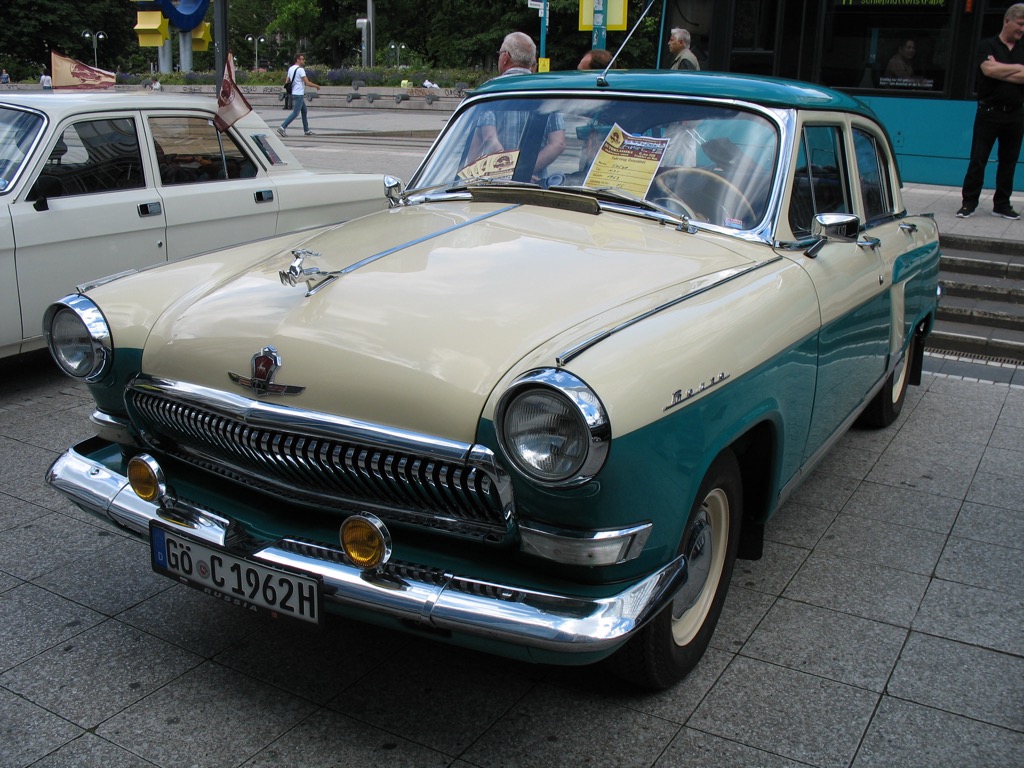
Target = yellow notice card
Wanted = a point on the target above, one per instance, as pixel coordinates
(627, 162)
(500, 165)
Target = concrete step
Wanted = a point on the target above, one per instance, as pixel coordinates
(981, 341)
(982, 309)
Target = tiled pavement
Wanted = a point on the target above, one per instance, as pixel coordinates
(882, 628)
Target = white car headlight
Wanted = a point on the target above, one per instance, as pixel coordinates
(78, 337)
(554, 428)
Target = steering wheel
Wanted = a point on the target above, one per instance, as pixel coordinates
(691, 181)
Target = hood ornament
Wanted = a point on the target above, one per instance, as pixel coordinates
(264, 365)
(314, 277)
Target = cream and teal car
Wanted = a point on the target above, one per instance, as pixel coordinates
(93, 183)
(541, 404)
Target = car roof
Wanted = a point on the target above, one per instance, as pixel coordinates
(769, 91)
(57, 104)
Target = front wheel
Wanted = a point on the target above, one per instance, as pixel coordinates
(670, 646)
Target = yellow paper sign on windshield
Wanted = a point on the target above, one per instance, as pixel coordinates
(500, 165)
(627, 162)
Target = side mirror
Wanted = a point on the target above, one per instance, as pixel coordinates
(833, 227)
(393, 191)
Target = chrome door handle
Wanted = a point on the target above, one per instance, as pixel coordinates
(150, 209)
(264, 196)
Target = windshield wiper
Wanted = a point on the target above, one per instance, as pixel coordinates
(617, 195)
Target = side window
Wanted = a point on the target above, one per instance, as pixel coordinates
(93, 156)
(820, 184)
(190, 150)
(873, 170)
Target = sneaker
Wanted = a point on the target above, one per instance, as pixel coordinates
(965, 213)
(282, 132)
(1006, 213)
(310, 133)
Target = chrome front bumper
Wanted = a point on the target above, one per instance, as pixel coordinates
(440, 600)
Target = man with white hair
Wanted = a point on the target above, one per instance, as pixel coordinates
(679, 47)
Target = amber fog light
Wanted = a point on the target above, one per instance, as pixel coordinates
(146, 478)
(366, 541)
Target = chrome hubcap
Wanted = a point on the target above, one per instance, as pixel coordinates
(705, 556)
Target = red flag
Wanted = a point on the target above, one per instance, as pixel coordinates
(232, 106)
(72, 74)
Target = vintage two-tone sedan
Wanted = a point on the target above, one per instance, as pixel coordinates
(94, 182)
(541, 404)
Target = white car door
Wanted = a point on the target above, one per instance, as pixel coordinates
(214, 195)
(88, 212)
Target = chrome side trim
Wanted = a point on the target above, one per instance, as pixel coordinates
(698, 286)
(445, 601)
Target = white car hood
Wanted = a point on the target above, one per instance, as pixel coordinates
(443, 300)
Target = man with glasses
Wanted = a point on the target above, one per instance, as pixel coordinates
(498, 133)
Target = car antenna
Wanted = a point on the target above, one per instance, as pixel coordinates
(602, 79)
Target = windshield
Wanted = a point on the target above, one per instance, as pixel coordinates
(713, 163)
(18, 131)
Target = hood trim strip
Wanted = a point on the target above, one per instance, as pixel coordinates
(699, 286)
(370, 259)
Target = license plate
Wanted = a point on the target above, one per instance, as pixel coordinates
(233, 579)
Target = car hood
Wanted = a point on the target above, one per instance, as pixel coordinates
(437, 303)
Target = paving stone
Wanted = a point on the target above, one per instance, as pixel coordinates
(965, 680)
(449, 697)
(197, 622)
(799, 525)
(861, 589)
(1002, 488)
(825, 489)
(788, 713)
(929, 464)
(28, 732)
(773, 571)
(109, 581)
(743, 611)
(982, 617)
(904, 506)
(89, 751)
(674, 705)
(283, 655)
(210, 716)
(882, 543)
(694, 749)
(833, 645)
(46, 543)
(909, 735)
(331, 739)
(982, 564)
(94, 675)
(32, 620)
(556, 727)
(993, 525)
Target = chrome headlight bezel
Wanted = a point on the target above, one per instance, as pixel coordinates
(92, 346)
(583, 418)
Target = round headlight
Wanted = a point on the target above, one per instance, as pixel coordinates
(554, 428)
(78, 337)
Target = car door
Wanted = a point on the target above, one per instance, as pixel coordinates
(88, 211)
(214, 195)
(848, 276)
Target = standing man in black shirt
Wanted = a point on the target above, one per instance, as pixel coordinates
(1000, 115)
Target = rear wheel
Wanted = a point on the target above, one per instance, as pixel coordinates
(674, 641)
(886, 406)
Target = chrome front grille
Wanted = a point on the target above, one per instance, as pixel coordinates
(327, 462)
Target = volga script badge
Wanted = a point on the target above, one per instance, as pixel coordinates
(264, 365)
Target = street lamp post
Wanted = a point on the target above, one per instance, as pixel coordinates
(96, 37)
(256, 40)
(398, 48)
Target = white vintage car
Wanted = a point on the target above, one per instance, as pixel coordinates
(541, 404)
(96, 183)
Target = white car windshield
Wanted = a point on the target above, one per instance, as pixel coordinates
(18, 131)
(713, 163)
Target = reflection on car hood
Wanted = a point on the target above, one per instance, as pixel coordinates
(448, 297)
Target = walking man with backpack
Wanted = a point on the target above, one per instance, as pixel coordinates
(297, 82)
